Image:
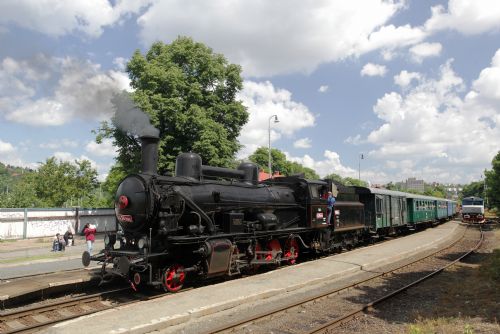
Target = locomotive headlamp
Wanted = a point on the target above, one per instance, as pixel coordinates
(143, 242)
(122, 202)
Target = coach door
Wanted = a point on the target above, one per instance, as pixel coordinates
(403, 214)
(395, 218)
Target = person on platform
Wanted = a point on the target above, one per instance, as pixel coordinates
(330, 207)
(68, 236)
(55, 243)
(58, 244)
(89, 232)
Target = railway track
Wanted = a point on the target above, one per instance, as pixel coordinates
(30, 319)
(33, 318)
(331, 309)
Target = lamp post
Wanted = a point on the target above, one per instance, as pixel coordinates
(361, 157)
(269, 128)
(484, 188)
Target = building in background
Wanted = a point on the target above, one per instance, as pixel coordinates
(414, 184)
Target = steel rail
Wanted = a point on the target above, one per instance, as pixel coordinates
(35, 310)
(40, 309)
(338, 322)
(263, 315)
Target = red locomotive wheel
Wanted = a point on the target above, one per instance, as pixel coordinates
(173, 278)
(291, 250)
(274, 247)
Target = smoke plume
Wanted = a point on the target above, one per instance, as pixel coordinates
(131, 119)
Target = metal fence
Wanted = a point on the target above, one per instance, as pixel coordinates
(39, 222)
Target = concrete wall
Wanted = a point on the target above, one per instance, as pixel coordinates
(32, 223)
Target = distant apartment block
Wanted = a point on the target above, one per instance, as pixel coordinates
(414, 184)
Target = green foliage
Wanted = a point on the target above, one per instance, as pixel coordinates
(280, 163)
(9, 176)
(348, 181)
(435, 191)
(55, 184)
(473, 189)
(493, 183)
(189, 92)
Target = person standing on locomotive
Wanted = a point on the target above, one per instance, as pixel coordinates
(330, 208)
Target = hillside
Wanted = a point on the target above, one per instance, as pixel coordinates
(9, 175)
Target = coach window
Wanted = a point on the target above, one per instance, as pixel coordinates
(378, 205)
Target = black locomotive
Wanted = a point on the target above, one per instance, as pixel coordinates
(210, 221)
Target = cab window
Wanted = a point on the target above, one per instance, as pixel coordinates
(314, 191)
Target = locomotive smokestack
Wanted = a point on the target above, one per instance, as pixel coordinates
(149, 154)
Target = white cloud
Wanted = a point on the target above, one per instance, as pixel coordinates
(294, 36)
(331, 164)
(70, 88)
(57, 18)
(323, 89)
(264, 100)
(425, 50)
(448, 137)
(372, 70)
(391, 37)
(59, 143)
(404, 78)
(302, 143)
(467, 17)
(105, 149)
(10, 155)
(488, 83)
(120, 63)
(6, 147)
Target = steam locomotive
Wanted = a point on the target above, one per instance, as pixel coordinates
(209, 221)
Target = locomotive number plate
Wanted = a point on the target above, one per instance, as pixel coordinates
(126, 218)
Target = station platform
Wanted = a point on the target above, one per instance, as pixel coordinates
(30, 270)
(174, 309)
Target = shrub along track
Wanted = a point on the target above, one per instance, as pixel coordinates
(329, 310)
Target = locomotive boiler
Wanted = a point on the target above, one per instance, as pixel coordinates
(206, 221)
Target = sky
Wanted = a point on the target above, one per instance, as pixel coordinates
(411, 86)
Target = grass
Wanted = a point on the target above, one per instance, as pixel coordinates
(8, 240)
(32, 258)
(440, 325)
(468, 297)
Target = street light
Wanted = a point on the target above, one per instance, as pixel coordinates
(361, 157)
(269, 160)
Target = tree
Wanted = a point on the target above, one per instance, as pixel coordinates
(296, 168)
(55, 184)
(473, 189)
(23, 193)
(280, 163)
(434, 190)
(493, 183)
(61, 181)
(261, 158)
(348, 181)
(189, 93)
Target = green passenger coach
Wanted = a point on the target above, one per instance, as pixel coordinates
(385, 210)
(388, 211)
